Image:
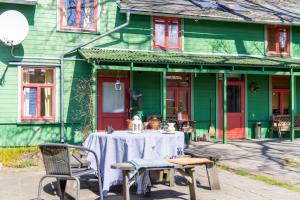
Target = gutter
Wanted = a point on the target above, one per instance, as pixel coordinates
(62, 135)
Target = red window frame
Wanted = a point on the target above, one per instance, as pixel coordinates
(277, 52)
(38, 103)
(77, 27)
(167, 22)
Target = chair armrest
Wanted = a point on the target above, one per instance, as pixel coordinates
(88, 150)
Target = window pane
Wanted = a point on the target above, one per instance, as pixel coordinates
(46, 102)
(30, 102)
(286, 104)
(113, 100)
(69, 12)
(272, 39)
(87, 14)
(183, 102)
(160, 34)
(171, 106)
(173, 35)
(37, 76)
(234, 98)
(276, 103)
(283, 40)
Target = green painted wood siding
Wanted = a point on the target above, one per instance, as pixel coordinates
(258, 105)
(149, 84)
(223, 37)
(204, 89)
(295, 41)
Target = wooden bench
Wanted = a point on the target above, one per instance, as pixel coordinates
(212, 173)
(282, 123)
(187, 171)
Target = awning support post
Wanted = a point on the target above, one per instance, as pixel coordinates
(292, 106)
(224, 108)
(164, 95)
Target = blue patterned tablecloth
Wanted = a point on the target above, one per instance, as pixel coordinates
(122, 146)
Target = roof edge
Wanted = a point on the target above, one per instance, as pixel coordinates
(210, 18)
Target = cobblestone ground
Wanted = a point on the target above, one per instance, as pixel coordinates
(279, 159)
(21, 184)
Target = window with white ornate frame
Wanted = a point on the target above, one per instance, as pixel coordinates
(37, 93)
(78, 15)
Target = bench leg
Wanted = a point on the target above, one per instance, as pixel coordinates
(126, 186)
(212, 175)
(172, 177)
(193, 184)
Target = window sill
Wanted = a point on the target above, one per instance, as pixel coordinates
(278, 55)
(37, 122)
(162, 49)
(94, 32)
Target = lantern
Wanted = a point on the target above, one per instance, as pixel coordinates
(136, 125)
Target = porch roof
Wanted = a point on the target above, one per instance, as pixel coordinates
(176, 58)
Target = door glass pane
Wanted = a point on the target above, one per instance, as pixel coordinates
(183, 102)
(171, 105)
(113, 101)
(30, 102)
(286, 104)
(160, 34)
(173, 35)
(276, 103)
(46, 102)
(234, 98)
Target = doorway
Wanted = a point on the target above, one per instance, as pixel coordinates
(113, 103)
(235, 109)
(178, 95)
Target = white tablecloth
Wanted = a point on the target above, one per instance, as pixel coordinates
(122, 146)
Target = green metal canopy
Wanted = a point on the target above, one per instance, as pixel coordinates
(178, 58)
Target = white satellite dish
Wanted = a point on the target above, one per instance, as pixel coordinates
(14, 27)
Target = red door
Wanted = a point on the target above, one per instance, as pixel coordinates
(235, 110)
(113, 103)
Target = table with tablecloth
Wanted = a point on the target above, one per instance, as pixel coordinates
(122, 146)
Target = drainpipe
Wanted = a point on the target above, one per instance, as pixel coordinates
(62, 123)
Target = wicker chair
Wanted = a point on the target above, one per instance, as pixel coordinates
(57, 161)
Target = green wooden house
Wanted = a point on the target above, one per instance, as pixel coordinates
(230, 63)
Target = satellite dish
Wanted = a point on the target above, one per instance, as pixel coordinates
(14, 27)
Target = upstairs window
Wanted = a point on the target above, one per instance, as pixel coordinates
(167, 33)
(78, 15)
(279, 41)
(38, 94)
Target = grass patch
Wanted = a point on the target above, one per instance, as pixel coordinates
(291, 162)
(261, 178)
(19, 156)
(26, 163)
